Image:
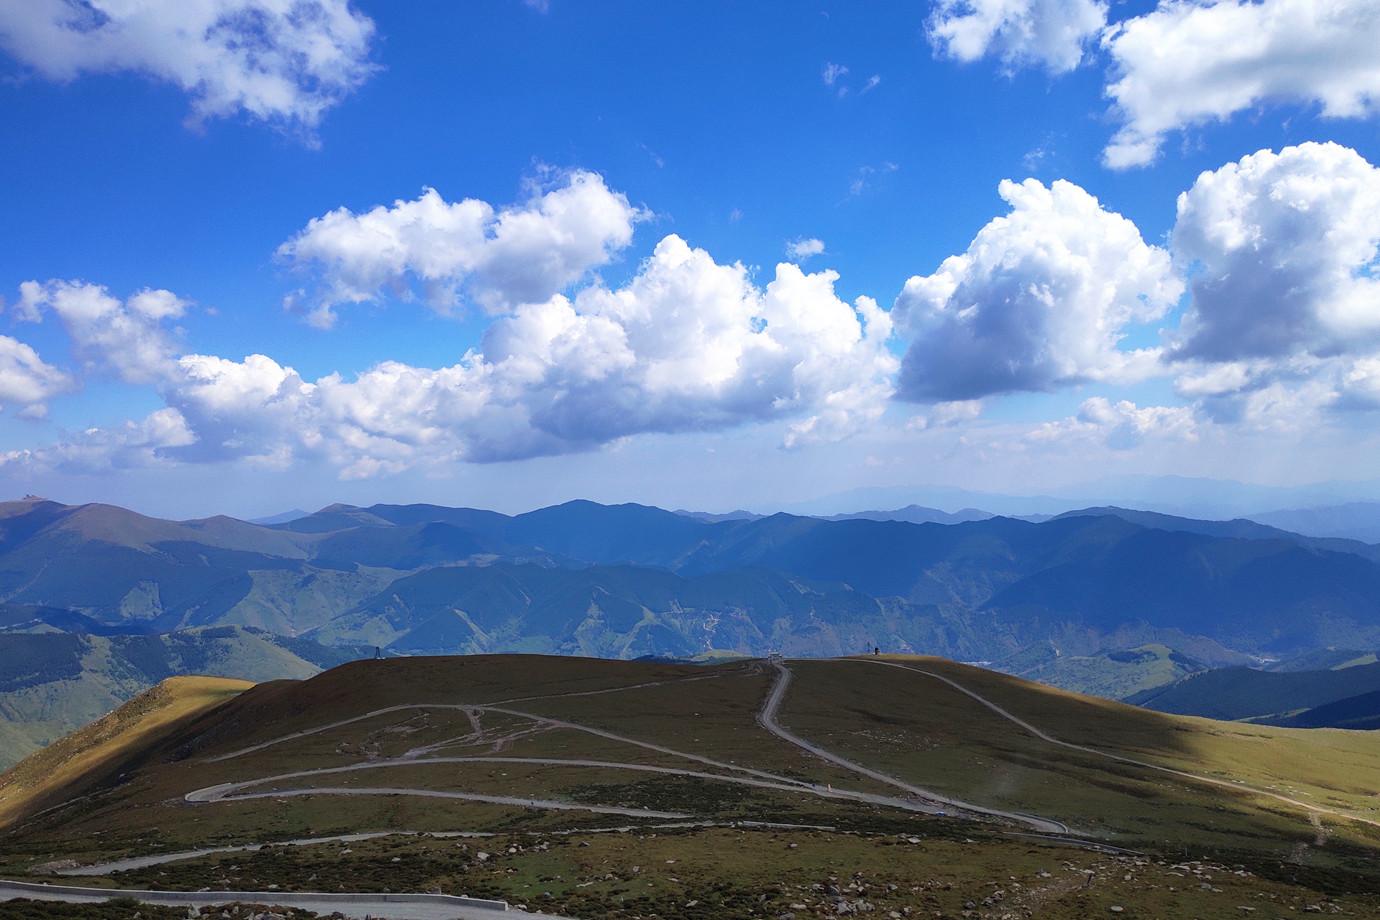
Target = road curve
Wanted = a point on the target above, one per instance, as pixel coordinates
(235, 791)
(468, 707)
(766, 717)
(143, 862)
(221, 793)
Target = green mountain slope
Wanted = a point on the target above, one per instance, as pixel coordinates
(1246, 693)
(626, 612)
(1115, 675)
(1357, 713)
(54, 683)
(426, 578)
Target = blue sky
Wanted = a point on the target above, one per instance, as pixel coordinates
(261, 254)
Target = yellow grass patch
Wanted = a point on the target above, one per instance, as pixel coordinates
(83, 758)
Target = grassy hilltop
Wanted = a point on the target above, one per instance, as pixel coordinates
(940, 788)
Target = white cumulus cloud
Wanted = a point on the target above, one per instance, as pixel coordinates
(946, 415)
(125, 338)
(439, 251)
(1048, 33)
(26, 380)
(1040, 300)
(690, 344)
(1191, 63)
(281, 61)
(1284, 248)
(802, 249)
(687, 345)
(1121, 425)
(129, 446)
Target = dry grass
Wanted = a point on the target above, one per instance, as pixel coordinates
(72, 764)
(908, 724)
(736, 874)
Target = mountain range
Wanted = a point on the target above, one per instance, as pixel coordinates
(976, 588)
(631, 581)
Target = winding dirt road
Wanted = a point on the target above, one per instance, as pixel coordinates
(766, 717)
(1233, 785)
(917, 799)
(355, 906)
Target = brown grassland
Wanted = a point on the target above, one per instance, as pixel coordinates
(1207, 819)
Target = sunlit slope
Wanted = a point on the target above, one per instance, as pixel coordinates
(516, 743)
(76, 763)
(54, 683)
(1214, 780)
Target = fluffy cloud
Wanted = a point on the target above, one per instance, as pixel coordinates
(691, 344)
(946, 415)
(437, 250)
(688, 344)
(128, 446)
(1048, 33)
(1285, 248)
(804, 248)
(26, 381)
(1189, 63)
(1283, 326)
(1122, 425)
(253, 409)
(1040, 300)
(284, 61)
(124, 338)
